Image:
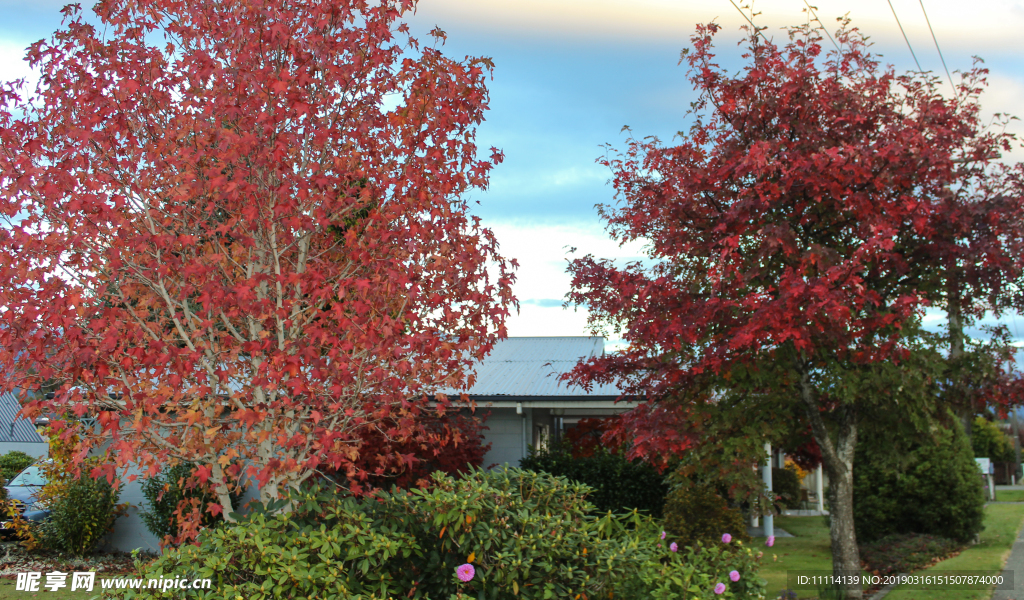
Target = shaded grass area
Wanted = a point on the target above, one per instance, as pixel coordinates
(1002, 522)
(1009, 495)
(810, 550)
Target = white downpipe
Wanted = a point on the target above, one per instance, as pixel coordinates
(766, 476)
(520, 411)
(819, 483)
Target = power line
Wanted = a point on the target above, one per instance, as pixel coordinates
(937, 46)
(815, 15)
(905, 38)
(744, 15)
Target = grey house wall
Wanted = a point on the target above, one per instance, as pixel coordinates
(130, 531)
(506, 435)
(36, 450)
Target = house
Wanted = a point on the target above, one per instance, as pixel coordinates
(18, 433)
(518, 384)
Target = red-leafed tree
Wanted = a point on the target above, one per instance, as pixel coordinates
(449, 443)
(794, 235)
(237, 233)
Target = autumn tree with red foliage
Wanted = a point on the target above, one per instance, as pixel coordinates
(246, 221)
(449, 443)
(794, 237)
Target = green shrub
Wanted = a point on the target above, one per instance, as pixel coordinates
(14, 462)
(164, 493)
(529, 536)
(988, 441)
(786, 486)
(697, 514)
(926, 483)
(618, 484)
(80, 515)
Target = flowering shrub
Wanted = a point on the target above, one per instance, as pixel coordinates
(726, 570)
(499, 535)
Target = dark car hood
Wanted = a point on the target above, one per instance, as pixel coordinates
(23, 493)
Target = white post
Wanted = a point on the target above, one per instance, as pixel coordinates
(766, 476)
(819, 483)
(992, 488)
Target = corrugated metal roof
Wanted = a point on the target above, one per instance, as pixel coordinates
(23, 430)
(530, 366)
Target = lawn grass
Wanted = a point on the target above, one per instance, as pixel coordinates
(1009, 495)
(810, 550)
(1002, 522)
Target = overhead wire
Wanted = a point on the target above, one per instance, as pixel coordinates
(936, 40)
(815, 15)
(744, 15)
(905, 38)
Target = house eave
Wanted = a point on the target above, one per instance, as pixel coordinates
(588, 402)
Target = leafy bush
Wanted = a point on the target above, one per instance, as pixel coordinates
(618, 484)
(14, 462)
(786, 485)
(527, 535)
(170, 490)
(988, 441)
(926, 483)
(698, 514)
(903, 553)
(80, 516)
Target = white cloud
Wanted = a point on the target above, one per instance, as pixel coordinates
(13, 65)
(542, 250)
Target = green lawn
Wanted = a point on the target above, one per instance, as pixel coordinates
(810, 550)
(1002, 522)
(1010, 495)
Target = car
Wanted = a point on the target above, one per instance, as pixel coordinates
(23, 492)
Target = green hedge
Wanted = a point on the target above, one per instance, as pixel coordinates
(14, 462)
(527, 535)
(618, 484)
(928, 484)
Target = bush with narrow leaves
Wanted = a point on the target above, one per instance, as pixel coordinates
(80, 516)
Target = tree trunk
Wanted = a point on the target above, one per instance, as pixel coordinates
(223, 493)
(837, 458)
(845, 553)
(955, 324)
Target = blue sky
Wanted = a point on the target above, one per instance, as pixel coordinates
(571, 73)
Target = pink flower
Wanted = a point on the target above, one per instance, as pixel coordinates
(719, 588)
(734, 575)
(674, 547)
(726, 538)
(662, 535)
(465, 572)
(659, 545)
(770, 542)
